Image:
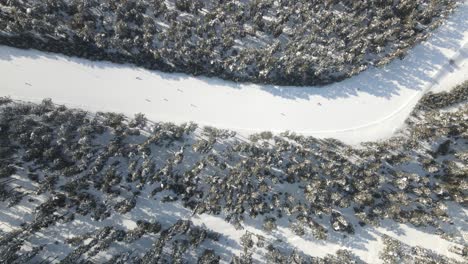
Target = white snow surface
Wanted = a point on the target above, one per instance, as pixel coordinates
(370, 106)
(366, 243)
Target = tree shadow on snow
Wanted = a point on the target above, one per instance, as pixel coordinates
(417, 71)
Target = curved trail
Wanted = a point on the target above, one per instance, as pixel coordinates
(369, 106)
(439, 78)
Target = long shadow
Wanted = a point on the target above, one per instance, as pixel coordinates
(415, 71)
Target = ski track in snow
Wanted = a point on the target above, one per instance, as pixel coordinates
(370, 106)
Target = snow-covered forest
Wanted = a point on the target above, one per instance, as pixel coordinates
(233, 131)
(270, 41)
(79, 187)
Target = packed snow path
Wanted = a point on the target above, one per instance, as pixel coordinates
(370, 106)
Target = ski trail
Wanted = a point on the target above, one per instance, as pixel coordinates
(370, 106)
(438, 78)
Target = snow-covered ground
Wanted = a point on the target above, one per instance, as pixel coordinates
(370, 106)
(366, 243)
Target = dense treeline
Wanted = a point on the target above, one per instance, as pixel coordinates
(280, 42)
(105, 166)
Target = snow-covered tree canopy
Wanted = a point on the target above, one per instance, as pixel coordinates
(100, 187)
(271, 41)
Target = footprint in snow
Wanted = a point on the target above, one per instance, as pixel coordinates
(28, 84)
(166, 100)
(148, 100)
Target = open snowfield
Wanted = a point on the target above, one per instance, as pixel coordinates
(370, 106)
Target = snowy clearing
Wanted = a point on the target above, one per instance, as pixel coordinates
(370, 106)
